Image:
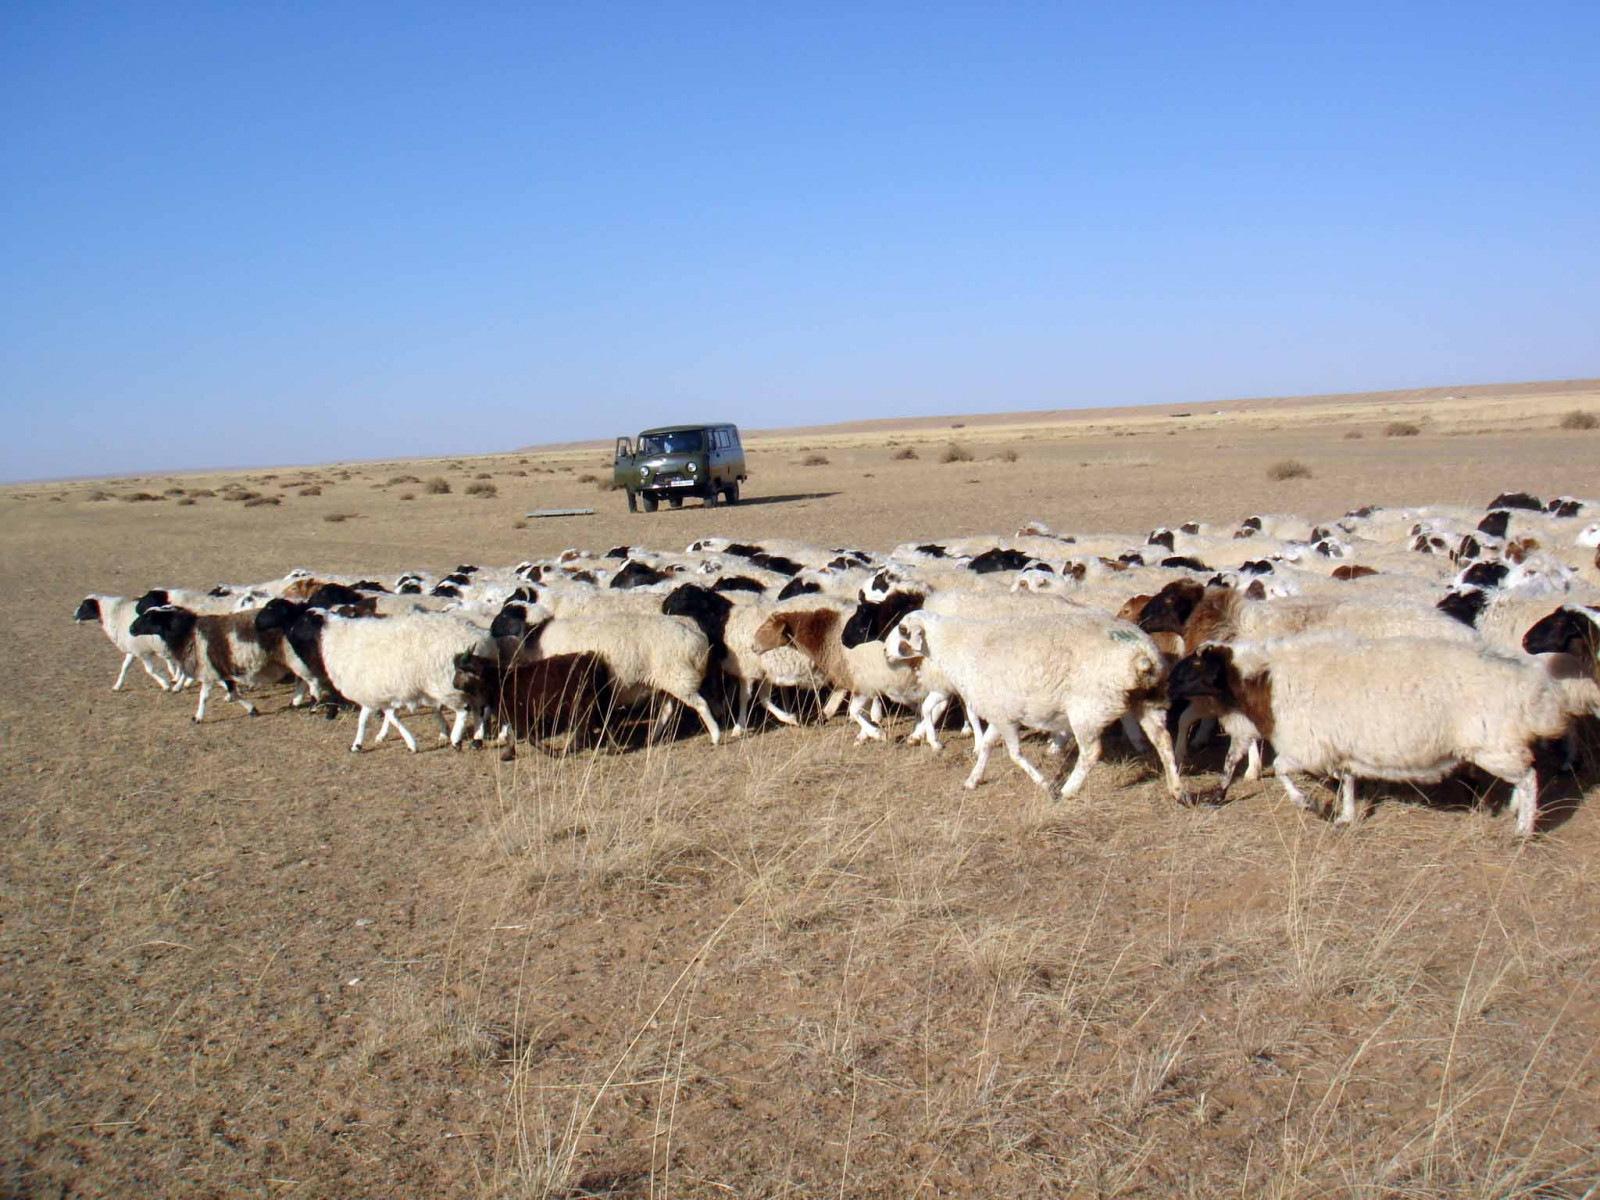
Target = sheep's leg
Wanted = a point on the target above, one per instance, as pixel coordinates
(1131, 731)
(1013, 744)
(927, 728)
(1059, 742)
(1208, 729)
(459, 728)
(1180, 740)
(1237, 748)
(1253, 770)
(444, 726)
(123, 674)
(149, 669)
(200, 711)
(869, 729)
(299, 696)
(1088, 755)
(233, 694)
(405, 734)
(975, 723)
(1347, 800)
(771, 705)
(1154, 724)
(664, 715)
(1296, 796)
(985, 743)
(741, 710)
(877, 710)
(835, 698)
(361, 729)
(698, 702)
(1525, 801)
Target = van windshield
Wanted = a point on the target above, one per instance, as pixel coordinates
(687, 442)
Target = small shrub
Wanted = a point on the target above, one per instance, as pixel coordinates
(609, 484)
(904, 454)
(173, 491)
(955, 452)
(814, 460)
(313, 490)
(958, 425)
(98, 494)
(142, 497)
(437, 486)
(408, 495)
(483, 475)
(1007, 455)
(241, 494)
(487, 490)
(1578, 419)
(1289, 468)
(337, 518)
(520, 474)
(202, 494)
(1353, 435)
(394, 479)
(262, 501)
(185, 501)
(588, 479)
(1401, 429)
(519, 523)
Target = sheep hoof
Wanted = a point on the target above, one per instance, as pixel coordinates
(356, 749)
(509, 754)
(194, 720)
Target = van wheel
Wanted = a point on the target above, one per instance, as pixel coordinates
(711, 495)
(650, 502)
(731, 492)
(633, 502)
(675, 501)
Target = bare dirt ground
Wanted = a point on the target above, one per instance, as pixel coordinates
(238, 959)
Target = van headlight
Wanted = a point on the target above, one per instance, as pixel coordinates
(693, 467)
(644, 472)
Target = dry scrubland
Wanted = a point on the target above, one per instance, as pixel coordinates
(238, 959)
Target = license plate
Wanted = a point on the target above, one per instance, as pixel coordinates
(681, 483)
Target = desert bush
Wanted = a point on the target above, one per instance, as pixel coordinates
(519, 523)
(904, 454)
(588, 479)
(1578, 419)
(408, 495)
(608, 484)
(336, 518)
(185, 501)
(1007, 455)
(958, 425)
(141, 497)
(173, 491)
(394, 479)
(520, 474)
(203, 494)
(1401, 429)
(237, 494)
(486, 490)
(1353, 435)
(955, 452)
(98, 494)
(1289, 468)
(263, 501)
(814, 460)
(437, 486)
(313, 490)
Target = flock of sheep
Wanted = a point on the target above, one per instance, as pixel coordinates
(1393, 644)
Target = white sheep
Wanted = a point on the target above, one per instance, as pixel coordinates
(1399, 709)
(1060, 672)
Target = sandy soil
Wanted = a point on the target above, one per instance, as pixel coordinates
(239, 960)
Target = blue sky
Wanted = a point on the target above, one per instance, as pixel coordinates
(239, 234)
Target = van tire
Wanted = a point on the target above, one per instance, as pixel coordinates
(650, 502)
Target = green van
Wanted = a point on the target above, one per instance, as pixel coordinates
(675, 461)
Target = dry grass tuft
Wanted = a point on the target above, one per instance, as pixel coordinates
(588, 478)
(263, 501)
(1289, 468)
(1401, 429)
(1353, 435)
(904, 454)
(394, 479)
(955, 452)
(1578, 419)
(98, 494)
(1007, 455)
(313, 490)
(337, 518)
(608, 484)
(186, 501)
(438, 485)
(141, 497)
(814, 460)
(487, 490)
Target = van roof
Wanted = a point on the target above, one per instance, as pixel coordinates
(684, 428)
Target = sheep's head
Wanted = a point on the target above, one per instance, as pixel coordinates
(169, 624)
(89, 610)
(907, 642)
(872, 620)
(476, 678)
(1569, 630)
(805, 631)
(1203, 675)
(279, 615)
(699, 604)
(1168, 610)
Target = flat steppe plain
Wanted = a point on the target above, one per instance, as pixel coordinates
(239, 960)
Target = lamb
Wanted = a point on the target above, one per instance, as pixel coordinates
(646, 653)
(384, 664)
(730, 628)
(1063, 672)
(115, 614)
(1398, 709)
(568, 693)
(215, 648)
(863, 670)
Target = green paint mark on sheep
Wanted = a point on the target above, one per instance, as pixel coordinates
(1125, 635)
